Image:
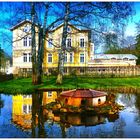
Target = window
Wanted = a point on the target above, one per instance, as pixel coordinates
(27, 96)
(68, 29)
(113, 58)
(25, 109)
(29, 108)
(30, 41)
(49, 58)
(65, 58)
(24, 57)
(50, 43)
(30, 57)
(49, 93)
(126, 59)
(68, 44)
(82, 43)
(25, 41)
(82, 59)
(71, 57)
(99, 101)
(26, 29)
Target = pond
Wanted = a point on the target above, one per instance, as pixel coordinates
(22, 116)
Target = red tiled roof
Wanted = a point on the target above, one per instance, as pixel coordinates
(83, 93)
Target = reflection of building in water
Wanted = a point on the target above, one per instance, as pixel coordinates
(22, 108)
(49, 97)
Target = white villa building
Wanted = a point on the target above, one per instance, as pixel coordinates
(108, 60)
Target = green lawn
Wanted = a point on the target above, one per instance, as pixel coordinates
(24, 85)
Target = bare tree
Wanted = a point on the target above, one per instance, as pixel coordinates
(63, 46)
(95, 16)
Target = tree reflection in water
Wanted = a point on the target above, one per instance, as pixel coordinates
(68, 124)
(137, 104)
(37, 115)
(1, 104)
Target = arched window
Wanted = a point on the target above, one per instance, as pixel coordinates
(99, 101)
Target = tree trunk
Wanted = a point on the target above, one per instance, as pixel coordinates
(39, 58)
(37, 63)
(34, 64)
(63, 46)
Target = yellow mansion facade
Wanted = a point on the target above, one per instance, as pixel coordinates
(23, 105)
(78, 46)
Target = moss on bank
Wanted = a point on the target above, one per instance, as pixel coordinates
(24, 85)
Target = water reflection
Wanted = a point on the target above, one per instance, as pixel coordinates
(28, 113)
(30, 116)
(1, 103)
(137, 104)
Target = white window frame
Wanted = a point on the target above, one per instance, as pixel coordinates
(30, 57)
(25, 57)
(65, 58)
(82, 57)
(68, 41)
(30, 41)
(50, 57)
(27, 108)
(71, 57)
(83, 42)
(25, 41)
(49, 94)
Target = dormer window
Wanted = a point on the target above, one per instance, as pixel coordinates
(50, 43)
(68, 29)
(126, 59)
(113, 58)
(26, 29)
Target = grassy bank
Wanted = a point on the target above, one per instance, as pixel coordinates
(24, 85)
